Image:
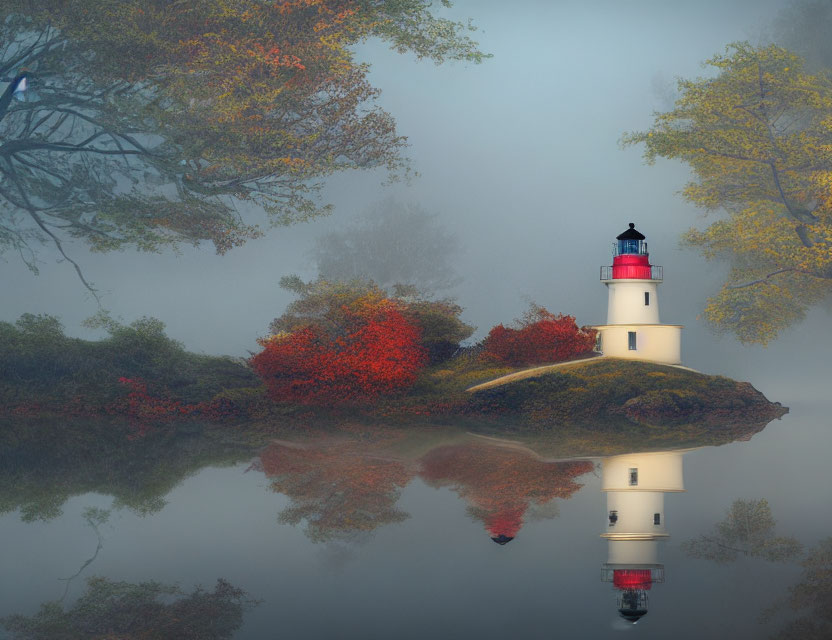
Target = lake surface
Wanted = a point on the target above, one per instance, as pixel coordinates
(374, 533)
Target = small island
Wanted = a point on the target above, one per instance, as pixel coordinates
(350, 351)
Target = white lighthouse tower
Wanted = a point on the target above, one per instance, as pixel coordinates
(635, 485)
(633, 329)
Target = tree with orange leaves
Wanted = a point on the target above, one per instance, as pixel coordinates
(194, 107)
(352, 341)
(359, 350)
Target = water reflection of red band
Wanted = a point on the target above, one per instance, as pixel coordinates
(632, 579)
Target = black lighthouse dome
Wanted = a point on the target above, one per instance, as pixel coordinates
(630, 234)
(632, 615)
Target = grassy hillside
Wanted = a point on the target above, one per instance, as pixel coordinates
(604, 393)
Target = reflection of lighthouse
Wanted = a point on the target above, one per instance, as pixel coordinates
(635, 484)
(633, 329)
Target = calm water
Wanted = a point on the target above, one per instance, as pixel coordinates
(389, 534)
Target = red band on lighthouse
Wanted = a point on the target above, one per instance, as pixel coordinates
(628, 266)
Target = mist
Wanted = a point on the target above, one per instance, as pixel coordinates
(520, 158)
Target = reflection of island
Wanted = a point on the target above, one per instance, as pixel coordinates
(499, 483)
(43, 463)
(635, 485)
(345, 483)
(348, 481)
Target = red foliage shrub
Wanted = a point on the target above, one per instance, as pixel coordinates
(376, 351)
(542, 337)
(145, 411)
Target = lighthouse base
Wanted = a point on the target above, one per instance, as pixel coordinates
(660, 343)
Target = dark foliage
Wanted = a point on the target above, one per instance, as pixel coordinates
(38, 363)
(110, 610)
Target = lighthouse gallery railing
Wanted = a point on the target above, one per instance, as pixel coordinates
(656, 273)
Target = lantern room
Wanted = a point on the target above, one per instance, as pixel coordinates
(631, 242)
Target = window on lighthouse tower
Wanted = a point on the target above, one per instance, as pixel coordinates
(646, 298)
(631, 340)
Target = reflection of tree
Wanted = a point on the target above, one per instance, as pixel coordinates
(748, 530)
(43, 463)
(94, 517)
(109, 610)
(500, 484)
(813, 597)
(337, 490)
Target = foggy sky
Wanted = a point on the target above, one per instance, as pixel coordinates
(520, 157)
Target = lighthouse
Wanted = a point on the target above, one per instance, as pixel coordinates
(633, 328)
(635, 485)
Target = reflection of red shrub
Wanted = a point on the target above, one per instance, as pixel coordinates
(542, 337)
(375, 352)
(506, 521)
(499, 483)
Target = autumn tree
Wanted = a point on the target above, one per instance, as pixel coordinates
(373, 351)
(323, 303)
(539, 337)
(756, 136)
(747, 530)
(152, 133)
(390, 244)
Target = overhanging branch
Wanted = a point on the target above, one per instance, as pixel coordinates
(30, 209)
(767, 277)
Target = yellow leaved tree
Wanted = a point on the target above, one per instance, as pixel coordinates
(758, 137)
